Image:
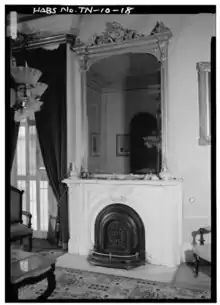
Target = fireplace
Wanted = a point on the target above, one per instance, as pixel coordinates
(119, 238)
(153, 208)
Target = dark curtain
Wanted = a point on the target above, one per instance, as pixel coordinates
(14, 128)
(51, 125)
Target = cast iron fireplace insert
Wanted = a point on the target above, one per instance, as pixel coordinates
(119, 238)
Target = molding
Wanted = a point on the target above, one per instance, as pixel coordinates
(155, 183)
(114, 33)
(203, 70)
(38, 42)
(155, 44)
(203, 66)
(205, 140)
(49, 26)
(148, 44)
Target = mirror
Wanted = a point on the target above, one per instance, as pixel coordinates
(123, 107)
(204, 87)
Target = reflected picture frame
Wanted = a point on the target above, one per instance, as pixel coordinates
(204, 92)
(95, 145)
(122, 145)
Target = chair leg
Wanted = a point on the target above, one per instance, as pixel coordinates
(30, 243)
(21, 243)
(196, 264)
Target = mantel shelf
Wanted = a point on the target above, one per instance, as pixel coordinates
(70, 181)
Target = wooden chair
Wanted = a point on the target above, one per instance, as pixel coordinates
(18, 229)
(201, 250)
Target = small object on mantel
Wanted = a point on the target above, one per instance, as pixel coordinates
(151, 177)
(154, 177)
(165, 174)
(147, 177)
(73, 171)
(84, 173)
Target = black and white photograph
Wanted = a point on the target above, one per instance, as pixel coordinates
(110, 120)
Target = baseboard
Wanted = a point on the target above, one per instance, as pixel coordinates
(187, 252)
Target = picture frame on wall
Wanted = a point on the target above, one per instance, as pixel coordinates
(204, 90)
(122, 145)
(95, 145)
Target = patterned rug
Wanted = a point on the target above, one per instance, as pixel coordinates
(77, 284)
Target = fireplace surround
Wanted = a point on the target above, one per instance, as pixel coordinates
(158, 204)
(119, 238)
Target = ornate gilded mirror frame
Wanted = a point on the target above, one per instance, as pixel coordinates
(204, 87)
(116, 40)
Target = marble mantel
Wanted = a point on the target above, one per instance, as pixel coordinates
(158, 203)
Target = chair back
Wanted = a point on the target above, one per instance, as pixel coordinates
(16, 205)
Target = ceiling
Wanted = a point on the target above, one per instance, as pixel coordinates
(126, 68)
(25, 17)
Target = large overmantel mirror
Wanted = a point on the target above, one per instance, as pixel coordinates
(114, 42)
(204, 87)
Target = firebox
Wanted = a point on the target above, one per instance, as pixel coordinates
(119, 238)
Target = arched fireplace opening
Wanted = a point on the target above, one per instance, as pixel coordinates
(119, 238)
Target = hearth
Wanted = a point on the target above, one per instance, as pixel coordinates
(119, 238)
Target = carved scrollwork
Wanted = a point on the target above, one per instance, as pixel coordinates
(84, 61)
(156, 52)
(159, 29)
(162, 44)
(162, 48)
(120, 195)
(114, 33)
(83, 65)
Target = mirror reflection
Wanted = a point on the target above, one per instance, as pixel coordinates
(124, 114)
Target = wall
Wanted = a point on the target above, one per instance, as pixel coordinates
(120, 107)
(186, 157)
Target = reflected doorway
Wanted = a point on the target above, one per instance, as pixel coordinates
(143, 159)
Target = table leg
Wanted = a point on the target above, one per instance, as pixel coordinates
(196, 264)
(51, 279)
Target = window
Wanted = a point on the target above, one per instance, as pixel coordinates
(30, 176)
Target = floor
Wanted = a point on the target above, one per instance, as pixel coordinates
(147, 272)
(182, 276)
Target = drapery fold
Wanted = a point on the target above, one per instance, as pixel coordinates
(51, 125)
(14, 126)
(14, 129)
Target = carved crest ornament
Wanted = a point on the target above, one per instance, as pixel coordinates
(116, 33)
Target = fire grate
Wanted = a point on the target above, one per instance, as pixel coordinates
(115, 261)
(119, 238)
